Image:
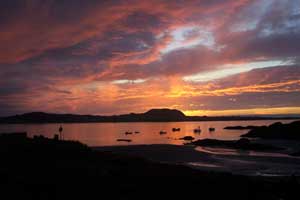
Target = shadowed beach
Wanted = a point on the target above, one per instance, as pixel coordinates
(215, 159)
(42, 168)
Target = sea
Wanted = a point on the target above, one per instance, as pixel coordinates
(138, 133)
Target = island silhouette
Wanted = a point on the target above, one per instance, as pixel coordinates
(153, 115)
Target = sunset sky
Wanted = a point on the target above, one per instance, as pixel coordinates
(204, 57)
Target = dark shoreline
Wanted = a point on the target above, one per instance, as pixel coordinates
(42, 168)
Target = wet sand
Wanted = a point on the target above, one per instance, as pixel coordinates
(237, 162)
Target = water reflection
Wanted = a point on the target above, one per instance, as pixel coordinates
(106, 134)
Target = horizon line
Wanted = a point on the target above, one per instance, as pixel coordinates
(204, 115)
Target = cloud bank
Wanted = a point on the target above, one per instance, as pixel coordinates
(108, 57)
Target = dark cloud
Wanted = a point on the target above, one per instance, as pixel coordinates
(238, 102)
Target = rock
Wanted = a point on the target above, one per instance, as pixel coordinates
(240, 127)
(124, 140)
(188, 138)
(276, 131)
(242, 142)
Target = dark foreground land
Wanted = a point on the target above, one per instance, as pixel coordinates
(43, 168)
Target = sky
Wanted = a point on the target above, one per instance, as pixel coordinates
(204, 57)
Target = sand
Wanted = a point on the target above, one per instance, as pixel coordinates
(236, 162)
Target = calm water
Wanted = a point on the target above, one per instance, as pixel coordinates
(106, 134)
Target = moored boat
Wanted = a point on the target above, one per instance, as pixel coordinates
(197, 130)
(211, 129)
(162, 132)
(175, 129)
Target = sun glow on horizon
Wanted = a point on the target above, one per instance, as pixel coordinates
(251, 111)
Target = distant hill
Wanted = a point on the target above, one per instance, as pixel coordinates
(153, 115)
(164, 114)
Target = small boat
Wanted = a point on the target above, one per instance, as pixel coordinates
(197, 130)
(162, 132)
(124, 140)
(211, 129)
(136, 132)
(175, 129)
(128, 133)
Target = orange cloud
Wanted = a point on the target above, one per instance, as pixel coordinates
(107, 97)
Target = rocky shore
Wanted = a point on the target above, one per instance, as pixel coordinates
(277, 130)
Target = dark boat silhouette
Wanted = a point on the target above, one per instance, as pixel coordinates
(136, 132)
(211, 129)
(128, 133)
(162, 132)
(197, 130)
(175, 129)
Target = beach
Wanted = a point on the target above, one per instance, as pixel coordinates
(214, 159)
(43, 168)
